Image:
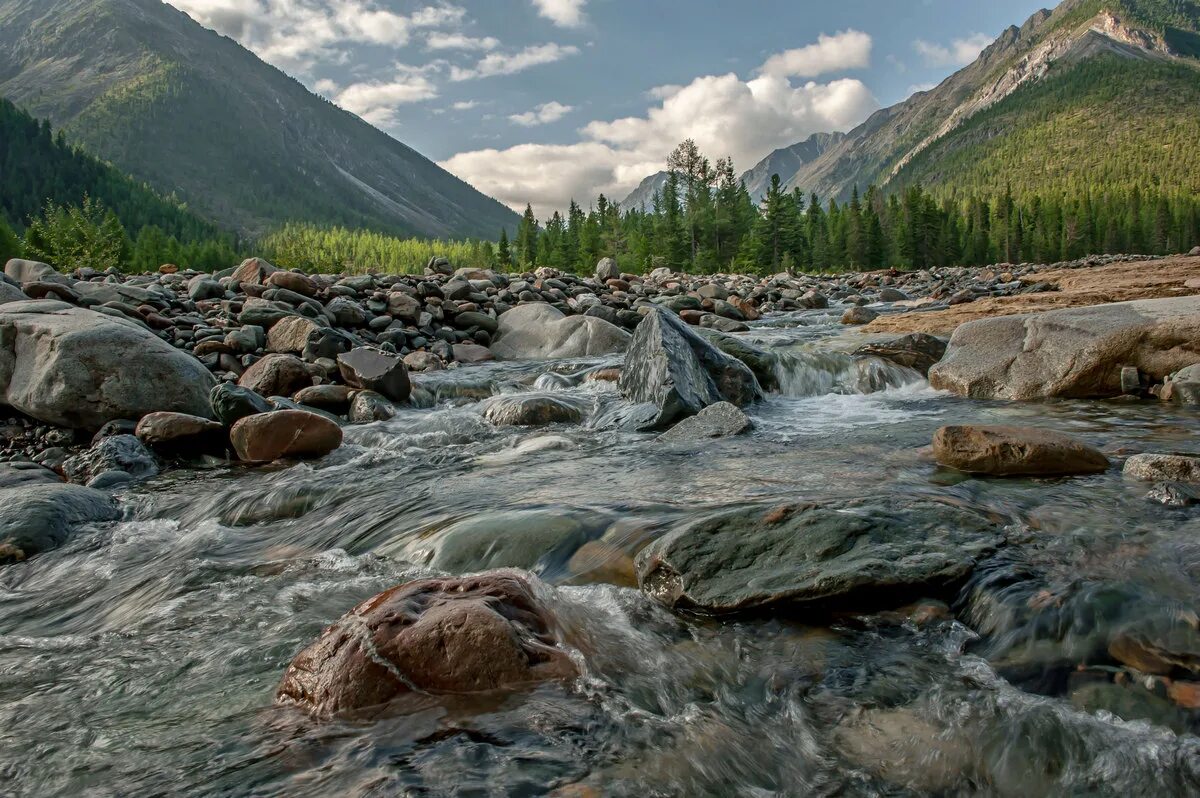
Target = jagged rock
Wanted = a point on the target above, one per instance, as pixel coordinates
(291, 335)
(76, 368)
(1015, 451)
(346, 313)
(1074, 353)
(467, 635)
(276, 375)
(253, 271)
(377, 371)
(761, 361)
(677, 373)
(869, 551)
(37, 518)
(294, 434)
(607, 269)
(917, 351)
(113, 453)
(542, 332)
(715, 421)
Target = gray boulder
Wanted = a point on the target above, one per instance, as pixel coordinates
(74, 368)
(1163, 468)
(1072, 353)
(10, 293)
(32, 271)
(37, 518)
(377, 371)
(676, 373)
(368, 406)
(607, 269)
(849, 553)
(761, 361)
(123, 453)
(715, 421)
(530, 539)
(541, 332)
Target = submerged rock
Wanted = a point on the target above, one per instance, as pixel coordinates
(542, 332)
(715, 421)
(123, 453)
(1015, 451)
(677, 373)
(76, 368)
(917, 351)
(284, 433)
(468, 635)
(1163, 468)
(1073, 353)
(528, 539)
(37, 518)
(867, 551)
(530, 411)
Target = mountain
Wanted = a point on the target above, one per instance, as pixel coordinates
(643, 196)
(39, 167)
(1095, 92)
(788, 161)
(195, 115)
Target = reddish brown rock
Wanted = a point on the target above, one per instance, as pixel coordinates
(1015, 451)
(253, 271)
(271, 436)
(276, 375)
(292, 281)
(180, 432)
(444, 636)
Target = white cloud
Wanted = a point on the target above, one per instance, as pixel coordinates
(959, 52)
(919, 87)
(296, 34)
(465, 105)
(724, 114)
(457, 41)
(564, 13)
(849, 49)
(326, 87)
(543, 114)
(511, 63)
(376, 102)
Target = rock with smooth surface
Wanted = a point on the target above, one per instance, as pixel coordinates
(233, 402)
(542, 332)
(866, 552)
(180, 432)
(377, 371)
(294, 434)
(76, 368)
(530, 410)
(475, 634)
(276, 375)
(859, 315)
(1015, 451)
(37, 518)
(721, 420)
(1072, 353)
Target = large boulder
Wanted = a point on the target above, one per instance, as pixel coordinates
(848, 553)
(39, 517)
(918, 351)
(542, 332)
(10, 293)
(32, 271)
(276, 375)
(762, 362)
(76, 368)
(1072, 352)
(284, 433)
(373, 370)
(253, 271)
(607, 269)
(469, 635)
(676, 373)
(1015, 451)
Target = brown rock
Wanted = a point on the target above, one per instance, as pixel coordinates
(271, 436)
(599, 561)
(859, 315)
(1138, 655)
(1015, 451)
(472, 353)
(253, 271)
(604, 375)
(276, 375)
(326, 397)
(1163, 468)
(168, 268)
(290, 335)
(463, 635)
(692, 317)
(179, 432)
(293, 281)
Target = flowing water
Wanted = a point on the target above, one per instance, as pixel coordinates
(141, 658)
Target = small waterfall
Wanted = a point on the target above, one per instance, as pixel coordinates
(804, 374)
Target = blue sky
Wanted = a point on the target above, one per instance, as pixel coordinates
(543, 100)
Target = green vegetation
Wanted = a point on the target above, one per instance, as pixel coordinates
(314, 249)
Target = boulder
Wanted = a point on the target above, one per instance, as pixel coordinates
(1015, 451)
(346, 313)
(39, 517)
(76, 368)
(368, 406)
(179, 432)
(334, 398)
(253, 271)
(32, 271)
(472, 634)
(530, 411)
(761, 361)
(465, 321)
(291, 334)
(373, 370)
(859, 315)
(1071, 352)
(17, 474)
(470, 353)
(529, 539)
(232, 402)
(276, 375)
(293, 281)
(292, 434)
(918, 351)
(542, 332)
(1163, 468)
(857, 553)
(715, 421)
(124, 453)
(1182, 387)
(676, 373)
(607, 269)
(10, 293)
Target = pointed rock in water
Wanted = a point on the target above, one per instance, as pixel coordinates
(874, 552)
(124, 453)
(761, 361)
(1015, 451)
(715, 421)
(377, 371)
(472, 634)
(284, 433)
(677, 373)
(76, 368)
(37, 518)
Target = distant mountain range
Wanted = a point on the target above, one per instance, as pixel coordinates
(195, 115)
(1102, 93)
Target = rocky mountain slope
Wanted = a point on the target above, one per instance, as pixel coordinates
(1067, 75)
(196, 115)
(788, 161)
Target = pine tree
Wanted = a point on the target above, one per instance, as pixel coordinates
(10, 245)
(503, 256)
(527, 236)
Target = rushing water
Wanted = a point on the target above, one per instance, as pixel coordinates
(141, 658)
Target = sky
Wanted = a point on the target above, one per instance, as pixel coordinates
(542, 101)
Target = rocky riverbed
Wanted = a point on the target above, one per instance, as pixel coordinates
(463, 533)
